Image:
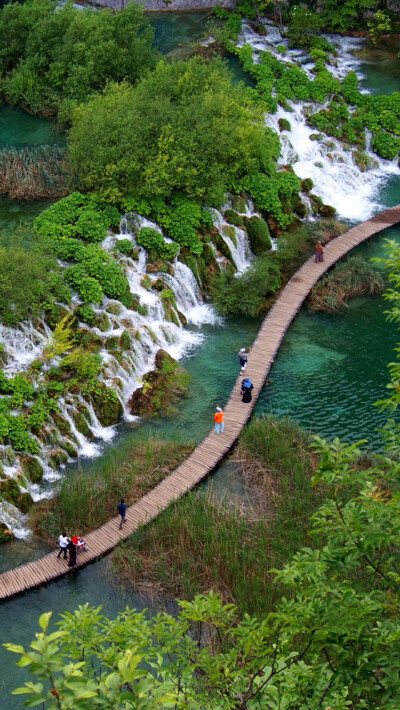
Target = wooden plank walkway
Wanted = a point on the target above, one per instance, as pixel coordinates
(213, 448)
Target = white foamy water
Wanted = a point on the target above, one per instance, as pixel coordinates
(330, 164)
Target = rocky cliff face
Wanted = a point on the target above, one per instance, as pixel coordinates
(165, 5)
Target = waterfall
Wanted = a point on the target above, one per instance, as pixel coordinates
(337, 178)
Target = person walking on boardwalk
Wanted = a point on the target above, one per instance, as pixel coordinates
(247, 386)
(218, 420)
(121, 507)
(72, 554)
(243, 355)
(63, 541)
(318, 252)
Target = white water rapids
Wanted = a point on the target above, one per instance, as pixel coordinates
(337, 178)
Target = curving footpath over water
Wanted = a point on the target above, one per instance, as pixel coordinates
(214, 447)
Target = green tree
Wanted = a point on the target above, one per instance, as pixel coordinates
(50, 57)
(199, 135)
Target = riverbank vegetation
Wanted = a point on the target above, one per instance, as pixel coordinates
(53, 58)
(33, 173)
(200, 543)
(330, 641)
(84, 502)
(354, 276)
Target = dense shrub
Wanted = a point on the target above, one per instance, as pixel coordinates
(55, 56)
(30, 280)
(85, 216)
(245, 294)
(185, 103)
(155, 243)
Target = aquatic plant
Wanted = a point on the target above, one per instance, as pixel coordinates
(245, 294)
(352, 277)
(33, 173)
(84, 502)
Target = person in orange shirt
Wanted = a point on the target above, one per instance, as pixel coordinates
(218, 420)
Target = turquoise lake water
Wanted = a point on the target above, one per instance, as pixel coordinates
(327, 375)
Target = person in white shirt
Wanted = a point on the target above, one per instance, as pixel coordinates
(63, 541)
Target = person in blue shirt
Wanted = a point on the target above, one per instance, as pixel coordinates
(121, 507)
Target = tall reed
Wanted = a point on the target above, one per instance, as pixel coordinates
(33, 173)
(86, 500)
(198, 544)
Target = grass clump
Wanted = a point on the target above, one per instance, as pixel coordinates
(33, 173)
(84, 501)
(199, 544)
(354, 276)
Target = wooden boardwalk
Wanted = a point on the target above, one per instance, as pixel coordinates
(213, 448)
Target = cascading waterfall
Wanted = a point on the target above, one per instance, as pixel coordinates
(331, 165)
(148, 331)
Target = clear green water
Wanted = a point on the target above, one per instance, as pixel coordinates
(327, 375)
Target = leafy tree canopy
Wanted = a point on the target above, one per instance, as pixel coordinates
(183, 128)
(51, 57)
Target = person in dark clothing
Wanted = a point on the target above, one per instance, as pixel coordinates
(247, 386)
(72, 554)
(121, 507)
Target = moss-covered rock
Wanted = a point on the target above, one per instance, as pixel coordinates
(125, 340)
(221, 245)
(114, 307)
(258, 232)
(137, 306)
(284, 125)
(57, 457)
(32, 468)
(238, 203)
(229, 231)
(298, 206)
(161, 387)
(306, 185)
(146, 282)
(112, 342)
(81, 422)
(327, 211)
(106, 404)
(11, 492)
(70, 448)
(233, 218)
(62, 424)
(102, 322)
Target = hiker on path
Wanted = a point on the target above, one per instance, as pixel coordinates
(218, 420)
(72, 554)
(243, 355)
(318, 252)
(121, 507)
(247, 386)
(63, 541)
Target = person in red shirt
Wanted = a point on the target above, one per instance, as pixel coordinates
(218, 420)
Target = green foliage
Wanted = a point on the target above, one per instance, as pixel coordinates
(124, 246)
(184, 104)
(258, 233)
(344, 15)
(385, 145)
(84, 216)
(88, 288)
(303, 26)
(331, 641)
(245, 294)
(61, 339)
(60, 56)
(30, 280)
(155, 243)
(269, 192)
(378, 25)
